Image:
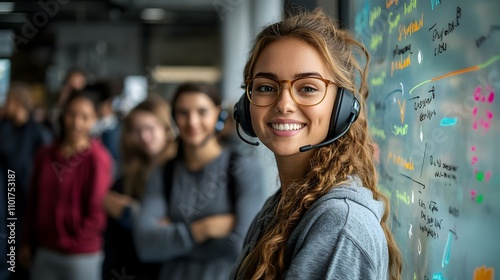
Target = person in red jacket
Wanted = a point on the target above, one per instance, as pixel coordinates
(65, 217)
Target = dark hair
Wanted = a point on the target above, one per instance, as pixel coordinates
(197, 87)
(85, 93)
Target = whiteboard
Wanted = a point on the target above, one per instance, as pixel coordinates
(433, 112)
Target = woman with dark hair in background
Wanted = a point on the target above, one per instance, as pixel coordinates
(305, 100)
(197, 208)
(148, 140)
(65, 217)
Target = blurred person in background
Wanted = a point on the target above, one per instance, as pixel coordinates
(75, 81)
(197, 208)
(21, 138)
(65, 220)
(40, 116)
(148, 140)
(108, 125)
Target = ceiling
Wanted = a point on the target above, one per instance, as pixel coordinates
(173, 12)
(162, 39)
(171, 31)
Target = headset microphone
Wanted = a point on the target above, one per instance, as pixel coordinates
(324, 143)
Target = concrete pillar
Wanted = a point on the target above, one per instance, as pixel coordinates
(236, 40)
(241, 21)
(266, 12)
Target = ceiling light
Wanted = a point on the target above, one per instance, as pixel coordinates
(153, 14)
(179, 74)
(6, 7)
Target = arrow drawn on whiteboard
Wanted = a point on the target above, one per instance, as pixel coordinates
(408, 177)
(402, 109)
(409, 232)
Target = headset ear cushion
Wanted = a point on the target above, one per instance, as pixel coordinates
(345, 111)
(242, 116)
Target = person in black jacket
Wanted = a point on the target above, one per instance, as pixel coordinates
(21, 138)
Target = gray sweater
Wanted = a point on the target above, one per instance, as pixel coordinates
(339, 237)
(195, 195)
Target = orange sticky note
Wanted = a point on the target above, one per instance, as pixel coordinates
(484, 273)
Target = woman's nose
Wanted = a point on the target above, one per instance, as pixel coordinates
(285, 102)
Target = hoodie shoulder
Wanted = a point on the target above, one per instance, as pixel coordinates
(347, 210)
(345, 216)
(353, 193)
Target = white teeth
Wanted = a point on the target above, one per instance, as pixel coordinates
(287, 126)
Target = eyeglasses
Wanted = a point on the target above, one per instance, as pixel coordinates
(309, 91)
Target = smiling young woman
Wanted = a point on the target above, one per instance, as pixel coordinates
(305, 100)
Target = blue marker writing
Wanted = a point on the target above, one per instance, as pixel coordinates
(447, 249)
(448, 121)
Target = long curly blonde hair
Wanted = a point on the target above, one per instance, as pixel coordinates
(330, 165)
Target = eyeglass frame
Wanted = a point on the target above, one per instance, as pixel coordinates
(249, 81)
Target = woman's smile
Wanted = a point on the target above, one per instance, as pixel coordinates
(285, 127)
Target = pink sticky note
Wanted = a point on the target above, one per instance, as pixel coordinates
(474, 111)
(474, 160)
(477, 93)
(486, 125)
(491, 97)
(487, 175)
(489, 114)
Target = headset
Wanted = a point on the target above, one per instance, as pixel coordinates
(221, 120)
(346, 110)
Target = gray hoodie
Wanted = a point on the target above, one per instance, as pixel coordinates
(195, 195)
(339, 237)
